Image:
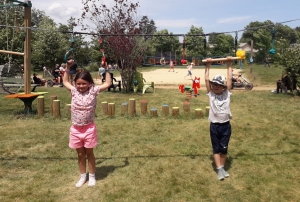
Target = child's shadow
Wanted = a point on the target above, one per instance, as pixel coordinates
(103, 171)
(227, 165)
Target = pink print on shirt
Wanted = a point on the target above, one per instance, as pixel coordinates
(83, 105)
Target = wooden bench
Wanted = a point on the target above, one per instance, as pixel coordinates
(142, 85)
(114, 82)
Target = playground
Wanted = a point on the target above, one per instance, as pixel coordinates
(153, 146)
(155, 158)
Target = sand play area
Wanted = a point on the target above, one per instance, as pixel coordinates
(162, 77)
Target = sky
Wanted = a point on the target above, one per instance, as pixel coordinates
(177, 16)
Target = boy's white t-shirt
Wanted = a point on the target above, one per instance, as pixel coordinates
(219, 111)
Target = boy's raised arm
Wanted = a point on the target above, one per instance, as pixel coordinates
(229, 73)
(206, 76)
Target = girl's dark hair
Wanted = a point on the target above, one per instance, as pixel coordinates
(85, 75)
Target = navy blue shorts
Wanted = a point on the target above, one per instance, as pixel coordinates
(220, 135)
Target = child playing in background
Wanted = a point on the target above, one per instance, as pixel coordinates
(190, 67)
(171, 66)
(83, 132)
(219, 115)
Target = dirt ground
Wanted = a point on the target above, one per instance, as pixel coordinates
(162, 78)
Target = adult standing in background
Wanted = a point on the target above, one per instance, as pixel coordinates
(267, 61)
(73, 71)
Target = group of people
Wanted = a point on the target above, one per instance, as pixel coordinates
(189, 68)
(57, 72)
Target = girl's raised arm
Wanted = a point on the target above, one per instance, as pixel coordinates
(66, 82)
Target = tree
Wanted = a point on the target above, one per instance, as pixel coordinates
(195, 44)
(165, 44)
(223, 45)
(46, 44)
(253, 27)
(125, 48)
(286, 32)
(147, 27)
(290, 59)
(11, 39)
(261, 33)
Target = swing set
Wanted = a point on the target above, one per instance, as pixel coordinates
(27, 97)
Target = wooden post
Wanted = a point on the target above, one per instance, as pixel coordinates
(68, 108)
(251, 56)
(175, 111)
(153, 112)
(111, 109)
(207, 110)
(52, 98)
(186, 107)
(41, 105)
(198, 113)
(124, 108)
(12, 53)
(165, 109)
(132, 109)
(27, 51)
(104, 106)
(56, 108)
(144, 107)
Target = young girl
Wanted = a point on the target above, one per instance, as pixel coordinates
(83, 132)
(171, 66)
(219, 115)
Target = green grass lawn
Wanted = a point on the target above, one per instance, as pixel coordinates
(155, 159)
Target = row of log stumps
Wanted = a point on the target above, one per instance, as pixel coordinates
(54, 106)
(129, 108)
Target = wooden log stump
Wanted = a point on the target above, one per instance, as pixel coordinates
(52, 97)
(111, 109)
(207, 110)
(186, 107)
(41, 105)
(124, 108)
(56, 108)
(132, 107)
(165, 109)
(104, 107)
(175, 111)
(68, 106)
(144, 107)
(188, 96)
(198, 113)
(153, 112)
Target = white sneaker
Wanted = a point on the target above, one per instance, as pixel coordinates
(81, 182)
(225, 173)
(92, 181)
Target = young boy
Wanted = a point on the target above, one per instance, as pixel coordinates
(219, 115)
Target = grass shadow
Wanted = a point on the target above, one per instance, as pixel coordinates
(104, 171)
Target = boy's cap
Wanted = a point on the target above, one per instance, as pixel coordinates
(192, 63)
(219, 79)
